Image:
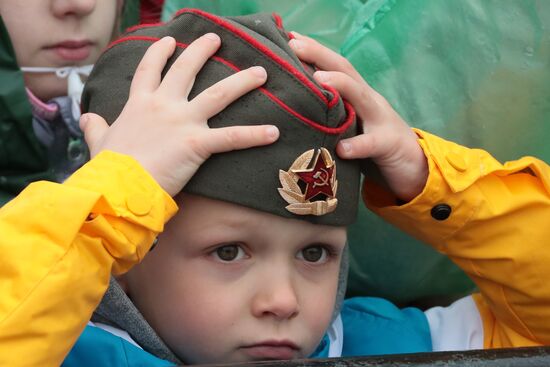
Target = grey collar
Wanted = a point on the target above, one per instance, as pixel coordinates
(117, 310)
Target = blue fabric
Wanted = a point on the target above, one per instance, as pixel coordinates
(322, 349)
(371, 326)
(97, 347)
(376, 326)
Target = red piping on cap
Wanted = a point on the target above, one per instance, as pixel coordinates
(278, 20)
(258, 45)
(335, 95)
(328, 130)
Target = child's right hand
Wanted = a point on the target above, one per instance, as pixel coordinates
(386, 138)
(167, 134)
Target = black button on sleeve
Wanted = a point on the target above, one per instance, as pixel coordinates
(441, 211)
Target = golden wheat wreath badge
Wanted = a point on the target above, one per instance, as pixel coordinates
(319, 197)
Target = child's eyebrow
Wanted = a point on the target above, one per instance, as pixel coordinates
(233, 223)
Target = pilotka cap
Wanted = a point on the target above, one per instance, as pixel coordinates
(299, 176)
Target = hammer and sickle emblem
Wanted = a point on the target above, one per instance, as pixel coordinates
(322, 179)
(318, 172)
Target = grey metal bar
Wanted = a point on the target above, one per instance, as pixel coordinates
(516, 357)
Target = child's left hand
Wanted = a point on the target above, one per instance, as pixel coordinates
(386, 138)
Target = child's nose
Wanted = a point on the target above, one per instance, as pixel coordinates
(276, 298)
(79, 8)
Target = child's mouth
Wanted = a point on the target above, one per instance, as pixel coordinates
(272, 350)
(71, 50)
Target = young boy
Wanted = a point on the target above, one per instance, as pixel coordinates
(229, 280)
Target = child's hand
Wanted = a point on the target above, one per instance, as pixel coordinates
(164, 131)
(387, 139)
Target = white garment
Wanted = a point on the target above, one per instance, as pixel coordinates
(75, 85)
(115, 331)
(336, 337)
(456, 327)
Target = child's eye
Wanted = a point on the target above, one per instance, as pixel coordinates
(227, 253)
(313, 254)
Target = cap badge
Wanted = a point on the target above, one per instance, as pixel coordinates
(316, 170)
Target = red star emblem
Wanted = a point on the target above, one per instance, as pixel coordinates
(318, 178)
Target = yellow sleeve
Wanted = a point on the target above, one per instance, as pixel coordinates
(58, 246)
(497, 231)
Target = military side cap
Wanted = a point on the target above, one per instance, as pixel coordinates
(300, 175)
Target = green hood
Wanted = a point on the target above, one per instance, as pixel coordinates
(22, 158)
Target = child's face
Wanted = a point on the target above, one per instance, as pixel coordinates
(57, 33)
(227, 283)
